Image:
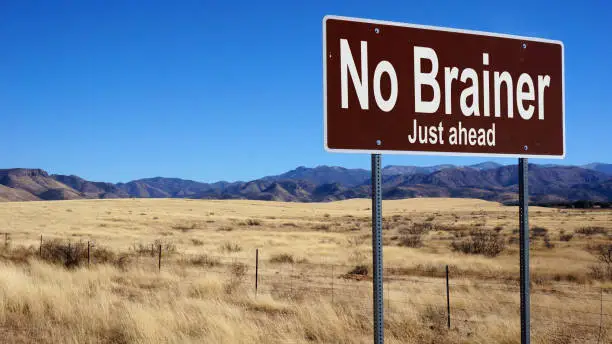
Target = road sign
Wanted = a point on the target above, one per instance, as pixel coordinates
(401, 88)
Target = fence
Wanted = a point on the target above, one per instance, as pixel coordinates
(454, 301)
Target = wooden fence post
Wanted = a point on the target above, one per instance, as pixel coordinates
(256, 269)
(159, 258)
(448, 300)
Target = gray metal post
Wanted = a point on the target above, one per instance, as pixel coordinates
(524, 254)
(256, 269)
(377, 254)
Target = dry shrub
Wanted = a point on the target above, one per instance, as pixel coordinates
(434, 316)
(414, 231)
(204, 260)
(237, 273)
(185, 227)
(413, 241)
(321, 227)
(253, 222)
(361, 270)
(603, 269)
(566, 237)
(547, 243)
(487, 243)
(591, 230)
(197, 242)
(229, 247)
(539, 232)
(225, 229)
(72, 255)
(282, 258)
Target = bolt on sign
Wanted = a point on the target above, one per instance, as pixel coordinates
(401, 88)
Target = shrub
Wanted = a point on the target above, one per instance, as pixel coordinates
(239, 270)
(72, 255)
(253, 222)
(566, 237)
(539, 231)
(603, 254)
(197, 242)
(547, 242)
(416, 228)
(282, 258)
(185, 227)
(321, 227)
(413, 241)
(204, 260)
(229, 247)
(484, 242)
(591, 230)
(361, 270)
(226, 229)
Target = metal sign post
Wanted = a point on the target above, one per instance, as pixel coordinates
(524, 254)
(377, 254)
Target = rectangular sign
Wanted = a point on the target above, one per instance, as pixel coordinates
(402, 88)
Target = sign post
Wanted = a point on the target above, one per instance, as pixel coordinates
(412, 89)
(524, 249)
(377, 254)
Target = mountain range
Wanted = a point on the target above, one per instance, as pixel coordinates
(488, 180)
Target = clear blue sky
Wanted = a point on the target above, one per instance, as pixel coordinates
(223, 90)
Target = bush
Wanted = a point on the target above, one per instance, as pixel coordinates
(416, 228)
(484, 242)
(603, 254)
(591, 230)
(72, 255)
(547, 242)
(539, 231)
(229, 247)
(566, 237)
(413, 241)
(197, 242)
(361, 270)
(321, 227)
(282, 258)
(204, 260)
(253, 222)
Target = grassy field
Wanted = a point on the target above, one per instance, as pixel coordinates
(314, 272)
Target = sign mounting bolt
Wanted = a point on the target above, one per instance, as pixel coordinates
(525, 147)
(377, 30)
(378, 142)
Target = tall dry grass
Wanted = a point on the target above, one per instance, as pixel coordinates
(199, 297)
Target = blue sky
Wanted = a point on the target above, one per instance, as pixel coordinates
(223, 90)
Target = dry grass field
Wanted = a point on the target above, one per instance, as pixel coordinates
(314, 281)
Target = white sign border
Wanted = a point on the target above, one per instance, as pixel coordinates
(437, 28)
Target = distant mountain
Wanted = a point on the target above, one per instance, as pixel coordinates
(91, 189)
(408, 170)
(600, 167)
(487, 165)
(490, 181)
(325, 174)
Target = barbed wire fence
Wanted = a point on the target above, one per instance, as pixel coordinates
(450, 299)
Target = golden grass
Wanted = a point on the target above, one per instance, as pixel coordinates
(205, 294)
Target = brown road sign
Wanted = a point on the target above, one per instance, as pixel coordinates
(401, 88)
